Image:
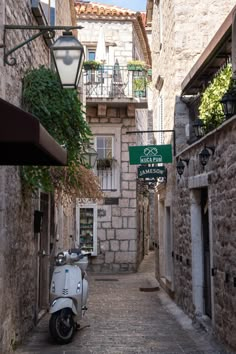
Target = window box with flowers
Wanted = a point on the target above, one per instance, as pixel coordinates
(91, 65)
(136, 65)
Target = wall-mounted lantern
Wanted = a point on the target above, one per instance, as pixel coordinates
(228, 102)
(181, 165)
(205, 154)
(90, 156)
(198, 127)
(68, 56)
(67, 51)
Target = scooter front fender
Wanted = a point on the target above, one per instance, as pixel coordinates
(62, 303)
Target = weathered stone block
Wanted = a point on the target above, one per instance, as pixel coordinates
(132, 223)
(115, 246)
(101, 234)
(109, 257)
(128, 234)
(133, 245)
(124, 203)
(115, 211)
(128, 212)
(124, 245)
(116, 222)
(102, 110)
(110, 234)
(125, 257)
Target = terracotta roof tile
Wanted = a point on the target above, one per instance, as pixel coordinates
(83, 8)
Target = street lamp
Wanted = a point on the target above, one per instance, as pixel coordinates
(67, 52)
(68, 56)
(90, 156)
(198, 128)
(205, 154)
(181, 166)
(228, 102)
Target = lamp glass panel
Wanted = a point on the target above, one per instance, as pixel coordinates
(68, 54)
(67, 65)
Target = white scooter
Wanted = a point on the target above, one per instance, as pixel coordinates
(68, 294)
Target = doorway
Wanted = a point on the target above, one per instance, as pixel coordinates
(43, 252)
(201, 252)
(206, 252)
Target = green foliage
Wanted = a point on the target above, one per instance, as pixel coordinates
(136, 62)
(60, 112)
(210, 108)
(140, 83)
(91, 64)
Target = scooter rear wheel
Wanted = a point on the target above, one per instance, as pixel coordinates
(62, 326)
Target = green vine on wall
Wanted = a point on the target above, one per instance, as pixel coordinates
(60, 112)
(210, 107)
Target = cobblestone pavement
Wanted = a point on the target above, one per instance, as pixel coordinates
(122, 319)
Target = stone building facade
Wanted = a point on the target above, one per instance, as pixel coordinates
(24, 278)
(112, 115)
(180, 33)
(204, 219)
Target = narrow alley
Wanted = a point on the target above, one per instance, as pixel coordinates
(128, 314)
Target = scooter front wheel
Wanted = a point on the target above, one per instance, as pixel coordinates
(62, 326)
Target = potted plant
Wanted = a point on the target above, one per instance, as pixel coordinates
(105, 163)
(91, 65)
(139, 86)
(136, 65)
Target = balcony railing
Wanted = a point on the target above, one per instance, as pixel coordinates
(115, 82)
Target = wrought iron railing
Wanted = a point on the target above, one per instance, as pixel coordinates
(115, 82)
(106, 170)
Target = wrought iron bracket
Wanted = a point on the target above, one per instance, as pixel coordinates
(50, 31)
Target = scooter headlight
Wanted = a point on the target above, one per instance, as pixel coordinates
(60, 259)
(78, 287)
(53, 287)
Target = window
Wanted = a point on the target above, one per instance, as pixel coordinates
(106, 164)
(104, 147)
(91, 54)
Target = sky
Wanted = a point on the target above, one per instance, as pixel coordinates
(135, 5)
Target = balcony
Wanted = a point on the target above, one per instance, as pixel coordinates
(116, 84)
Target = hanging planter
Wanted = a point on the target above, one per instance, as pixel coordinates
(136, 65)
(91, 65)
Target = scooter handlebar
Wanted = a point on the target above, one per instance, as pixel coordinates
(74, 250)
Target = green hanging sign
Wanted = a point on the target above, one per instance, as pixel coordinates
(154, 154)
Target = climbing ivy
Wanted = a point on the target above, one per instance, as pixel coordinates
(210, 107)
(60, 112)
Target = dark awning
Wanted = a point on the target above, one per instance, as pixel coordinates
(24, 141)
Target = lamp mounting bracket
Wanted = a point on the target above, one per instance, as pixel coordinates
(183, 160)
(211, 148)
(50, 31)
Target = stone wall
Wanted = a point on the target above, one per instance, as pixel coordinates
(219, 178)
(18, 243)
(118, 38)
(186, 30)
(116, 230)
